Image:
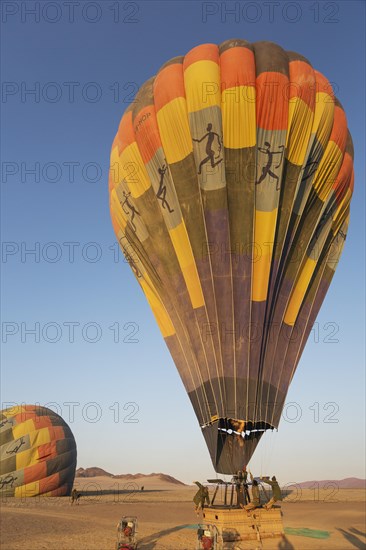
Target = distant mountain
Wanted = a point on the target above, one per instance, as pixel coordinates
(347, 483)
(92, 472)
(161, 477)
(95, 472)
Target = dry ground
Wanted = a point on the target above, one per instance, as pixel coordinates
(167, 520)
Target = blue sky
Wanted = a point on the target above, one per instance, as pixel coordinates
(84, 68)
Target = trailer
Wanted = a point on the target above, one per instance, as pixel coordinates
(127, 533)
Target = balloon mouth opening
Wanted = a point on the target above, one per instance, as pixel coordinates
(245, 434)
(232, 442)
(241, 428)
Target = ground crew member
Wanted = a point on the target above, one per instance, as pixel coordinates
(256, 499)
(75, 496)
(200, 497)
(242, 487)
(276, 491)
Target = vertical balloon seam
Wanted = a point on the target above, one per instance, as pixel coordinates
(297, 161)
(207, 59)
(171, 295)
(272, 122)
(314, 309)
(301, 266)
(314, 281)
(200, 347)
(182, 94)
(289, 340)
(240, 55)
(197, 56)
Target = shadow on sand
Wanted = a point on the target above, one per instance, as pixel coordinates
(357, 532)
(150, 542)
(101, 492)
(353, 539)
(286, 493)
(285, 544)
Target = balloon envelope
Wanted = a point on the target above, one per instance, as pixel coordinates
(37, 453)
(230, 182)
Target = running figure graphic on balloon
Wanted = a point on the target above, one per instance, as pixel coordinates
(209, 151)
(266, 170)
(132, 210)
(161, 194)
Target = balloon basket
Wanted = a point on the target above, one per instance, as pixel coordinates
(236, 524)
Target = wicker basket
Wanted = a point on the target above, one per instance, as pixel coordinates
(234, 524)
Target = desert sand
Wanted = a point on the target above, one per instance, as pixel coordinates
(166, 518)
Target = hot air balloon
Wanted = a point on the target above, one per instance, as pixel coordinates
(37, 453)
(230, 184)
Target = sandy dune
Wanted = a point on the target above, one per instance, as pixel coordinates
(151, 483)
(166, 520)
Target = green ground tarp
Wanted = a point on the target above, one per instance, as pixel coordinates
(305, 532)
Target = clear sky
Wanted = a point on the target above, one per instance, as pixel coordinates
(96, 352)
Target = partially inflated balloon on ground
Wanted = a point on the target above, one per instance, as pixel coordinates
(230, 186)
(37, 453)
